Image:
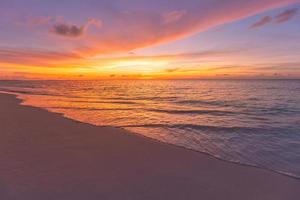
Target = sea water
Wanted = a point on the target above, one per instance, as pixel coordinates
(253, 122)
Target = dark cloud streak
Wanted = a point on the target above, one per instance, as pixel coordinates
(286, 15)
(73, 31)
(278, 19)
(68, 30)
(263, 21)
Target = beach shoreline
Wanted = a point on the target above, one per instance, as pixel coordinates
(23, 103)
(74, 160)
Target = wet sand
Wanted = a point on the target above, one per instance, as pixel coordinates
(44, 156)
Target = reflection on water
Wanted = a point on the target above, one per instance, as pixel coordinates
(254, 122)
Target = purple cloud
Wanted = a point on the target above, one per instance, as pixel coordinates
(36, 21)
(286, 15)
(68, 30)
(73, 31)
(280, 18)
(129, 24)
(263, 21)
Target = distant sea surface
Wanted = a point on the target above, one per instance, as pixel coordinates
(253, 122)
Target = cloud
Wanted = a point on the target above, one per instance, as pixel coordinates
(35, 57)
(286, 15)
(138, 29)
(263, 21)
(58, 26)
(36, 21)
(170, 70)
(145, 23)
(178, 56)
(67, 30)
(280, 18)
(173, 16)
(73, 31)
(279, 66)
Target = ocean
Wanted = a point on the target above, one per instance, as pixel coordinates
(252, 122)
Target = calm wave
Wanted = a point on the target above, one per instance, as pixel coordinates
(255, 122)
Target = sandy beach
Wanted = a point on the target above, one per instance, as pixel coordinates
(46, 156)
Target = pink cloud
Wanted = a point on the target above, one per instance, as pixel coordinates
(173, 16)
(31, 22)
(138, 28)
(39, 21)
(35, 57)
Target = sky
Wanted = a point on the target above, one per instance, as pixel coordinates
(142, 39)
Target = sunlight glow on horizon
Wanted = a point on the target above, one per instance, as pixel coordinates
(256, 40)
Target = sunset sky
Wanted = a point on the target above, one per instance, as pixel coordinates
(95, 39)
